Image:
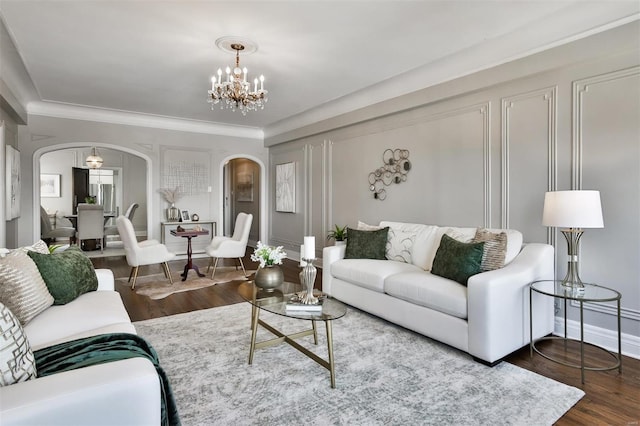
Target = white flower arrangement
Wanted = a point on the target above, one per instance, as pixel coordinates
(171, 196)
(267, 255)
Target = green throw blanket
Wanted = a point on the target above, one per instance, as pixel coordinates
(106, 348)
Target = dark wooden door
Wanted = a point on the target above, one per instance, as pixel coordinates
(80, 187)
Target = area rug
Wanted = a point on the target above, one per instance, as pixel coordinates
(385, 375)
(157, 286)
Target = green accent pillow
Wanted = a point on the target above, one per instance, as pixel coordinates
(457, 261)
(67, 274)
(366, 244)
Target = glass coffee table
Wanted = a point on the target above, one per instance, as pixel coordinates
(275, 302)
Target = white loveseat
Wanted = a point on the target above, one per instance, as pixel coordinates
(125, 392)
(488, 318)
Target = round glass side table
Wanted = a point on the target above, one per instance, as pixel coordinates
(590, 293)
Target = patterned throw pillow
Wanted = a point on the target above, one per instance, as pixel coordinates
(366, 227)
(399, 244)
(457, 261)
(67, 275)
(39, 247)
(21, 286)
(495, 248)
(366, 244)
(17, 363)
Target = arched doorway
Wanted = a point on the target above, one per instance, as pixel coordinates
(243, 188)
(125, 160)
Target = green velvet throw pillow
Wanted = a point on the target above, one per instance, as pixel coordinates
(366, 244)
(457, 261)
(67, 274)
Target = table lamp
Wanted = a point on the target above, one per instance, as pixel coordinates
(573, 211)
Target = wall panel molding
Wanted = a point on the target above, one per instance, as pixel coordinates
(550, 96)
(579, 92)
(581, 89)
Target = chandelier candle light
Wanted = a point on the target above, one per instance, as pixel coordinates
(573, 211)
(308, 274)
(234, 92)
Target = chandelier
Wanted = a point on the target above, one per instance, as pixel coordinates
(94, 161)
(235, 92)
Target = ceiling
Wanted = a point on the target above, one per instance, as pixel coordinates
(319, 58)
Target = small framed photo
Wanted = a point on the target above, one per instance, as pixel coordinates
(185, 216)
(49, 185)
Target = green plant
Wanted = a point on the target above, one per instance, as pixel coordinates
(90, 200)
(53, 247)
(338, 233)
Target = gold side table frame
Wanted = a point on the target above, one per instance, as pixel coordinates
(275, 302)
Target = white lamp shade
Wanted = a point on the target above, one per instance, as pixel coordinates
(572, 209)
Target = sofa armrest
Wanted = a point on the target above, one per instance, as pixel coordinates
(498, 304)
(120, 392)
(329, 255)
(105, 280)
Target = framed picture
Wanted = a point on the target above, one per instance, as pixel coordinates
(244, 187)
(185, 216)
(12, 183)
(49, 185)
(286, 187)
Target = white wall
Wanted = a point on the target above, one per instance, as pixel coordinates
(161, 147)
(485, 155)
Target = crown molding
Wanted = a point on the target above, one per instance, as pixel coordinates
(78, 112)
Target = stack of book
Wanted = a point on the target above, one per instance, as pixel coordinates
(295, 305)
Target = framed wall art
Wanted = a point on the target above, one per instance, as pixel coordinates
(244, 187)
(49, 185)
(286, 187)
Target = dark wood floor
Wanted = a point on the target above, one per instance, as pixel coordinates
(610, 398)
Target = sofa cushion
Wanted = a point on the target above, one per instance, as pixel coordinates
(68, 274)
(368, 273)
(424, 244)
(366, 244)
(21, 286)
(17, 363)
(425, 289)
(90, 311)
(495, 248)
(457, 261)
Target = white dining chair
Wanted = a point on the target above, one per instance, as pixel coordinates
(90, 223)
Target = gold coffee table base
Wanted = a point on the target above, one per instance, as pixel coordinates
(290, 339)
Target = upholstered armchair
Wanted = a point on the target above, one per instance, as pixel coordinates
(49, 233)
(142, 253)
(231, 247)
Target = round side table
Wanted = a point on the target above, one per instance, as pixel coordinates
(590, 293)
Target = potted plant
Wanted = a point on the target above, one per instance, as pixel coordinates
(339, 234)
(269, 275)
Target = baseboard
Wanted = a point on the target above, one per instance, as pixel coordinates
(603, 337)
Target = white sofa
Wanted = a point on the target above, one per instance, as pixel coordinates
(488, 318)
(125, 392)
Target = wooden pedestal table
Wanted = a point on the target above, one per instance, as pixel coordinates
(189, 234)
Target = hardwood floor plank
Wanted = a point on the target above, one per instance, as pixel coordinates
(610, 398)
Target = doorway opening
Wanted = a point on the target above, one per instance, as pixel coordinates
(242, 181)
